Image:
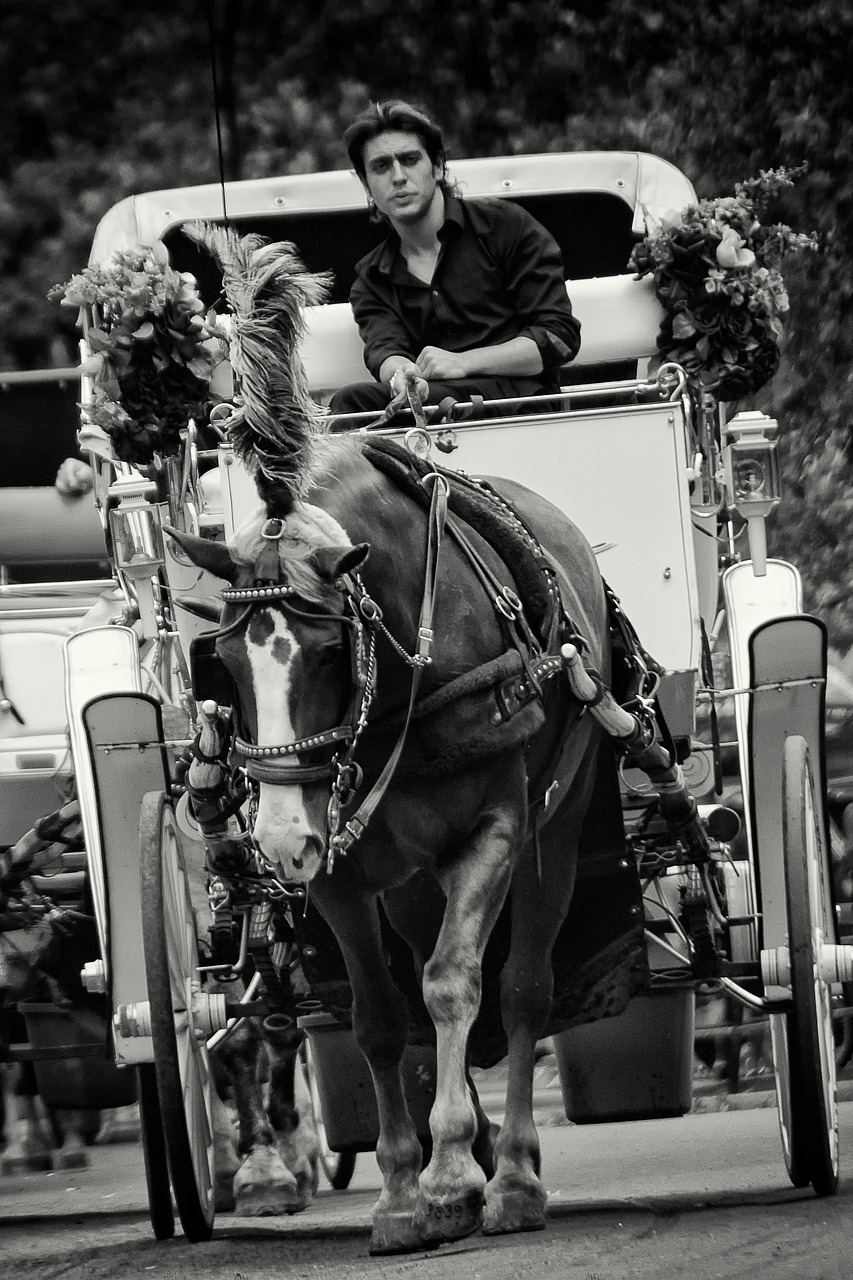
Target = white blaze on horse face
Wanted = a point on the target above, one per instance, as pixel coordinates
(282, 826)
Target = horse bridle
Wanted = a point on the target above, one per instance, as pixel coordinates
(266, 764)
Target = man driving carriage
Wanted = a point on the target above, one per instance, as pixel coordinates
(466, 296)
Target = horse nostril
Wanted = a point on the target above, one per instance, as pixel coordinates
(314, 847)
(297, 862)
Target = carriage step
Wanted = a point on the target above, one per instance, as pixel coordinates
(835, 964)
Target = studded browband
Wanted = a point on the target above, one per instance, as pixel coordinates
(341, 734)
(234, 595)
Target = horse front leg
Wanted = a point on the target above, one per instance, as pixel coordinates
(379, 1020)
(289, 1106)
(541, 892)
(263, 1185)
(450, 1203)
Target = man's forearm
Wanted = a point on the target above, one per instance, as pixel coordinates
(520, 357)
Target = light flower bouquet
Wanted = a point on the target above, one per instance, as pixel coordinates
(154, 350)
(716, 268)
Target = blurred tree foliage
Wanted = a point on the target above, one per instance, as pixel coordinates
(101, 100)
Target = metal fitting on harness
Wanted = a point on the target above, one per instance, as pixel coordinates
(630, 734)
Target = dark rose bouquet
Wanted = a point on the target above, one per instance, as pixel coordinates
(153, 350)
(716, 268)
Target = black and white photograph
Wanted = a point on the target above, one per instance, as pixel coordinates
(426, 640)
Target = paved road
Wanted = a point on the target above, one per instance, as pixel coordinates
(704, 1198)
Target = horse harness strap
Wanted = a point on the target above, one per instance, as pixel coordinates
(341, 840)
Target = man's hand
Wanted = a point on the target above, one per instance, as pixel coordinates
(402, 378)
(434, 362)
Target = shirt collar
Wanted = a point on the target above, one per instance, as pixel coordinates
(453, 216)
(454, 220)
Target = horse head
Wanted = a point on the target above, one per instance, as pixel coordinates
(292, 642)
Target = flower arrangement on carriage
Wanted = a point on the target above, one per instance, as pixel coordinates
(717, 271)
(154, 347)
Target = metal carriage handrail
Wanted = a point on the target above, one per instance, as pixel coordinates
(566, 395)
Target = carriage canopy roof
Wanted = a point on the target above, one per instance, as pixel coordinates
(593, 202)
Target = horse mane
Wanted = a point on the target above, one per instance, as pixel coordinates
(267, 288)
(306, 528)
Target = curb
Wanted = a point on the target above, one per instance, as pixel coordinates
(708, 1097)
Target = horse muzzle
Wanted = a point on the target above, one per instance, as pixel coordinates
(286, 836)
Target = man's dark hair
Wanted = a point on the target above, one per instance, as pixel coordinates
(381, 117)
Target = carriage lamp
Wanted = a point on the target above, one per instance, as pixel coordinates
(751, 468)
(137, 541)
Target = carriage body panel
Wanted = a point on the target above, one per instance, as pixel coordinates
(621, 475)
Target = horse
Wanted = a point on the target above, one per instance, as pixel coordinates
(284, 647)
(269, 1164)
(404, 745)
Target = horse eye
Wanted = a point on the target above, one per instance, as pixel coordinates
(328, 655)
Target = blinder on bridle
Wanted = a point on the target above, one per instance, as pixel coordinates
(209, 676)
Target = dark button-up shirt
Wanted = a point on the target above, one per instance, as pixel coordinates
(499, 276)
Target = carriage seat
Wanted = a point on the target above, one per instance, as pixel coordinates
(619, 316)
(41, 531)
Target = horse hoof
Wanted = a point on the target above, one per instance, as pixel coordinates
(449, 1217)
(518, 1209)
(393, 1232)
(266, 1202)
(264, 1187)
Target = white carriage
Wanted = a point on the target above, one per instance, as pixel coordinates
(640, 465)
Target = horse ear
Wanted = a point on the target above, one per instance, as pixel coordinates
(212, 556)
(333, 562)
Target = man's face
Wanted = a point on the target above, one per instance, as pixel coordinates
(400, 175)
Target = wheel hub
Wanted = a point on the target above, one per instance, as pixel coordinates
(834, 965)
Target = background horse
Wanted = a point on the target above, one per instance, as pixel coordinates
(268, 1162)
(339, 587)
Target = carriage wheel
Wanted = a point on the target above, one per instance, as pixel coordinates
(790, 1097)
(184, 1085)
(810, 1059)
(338, 1166)
(154, 1151)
